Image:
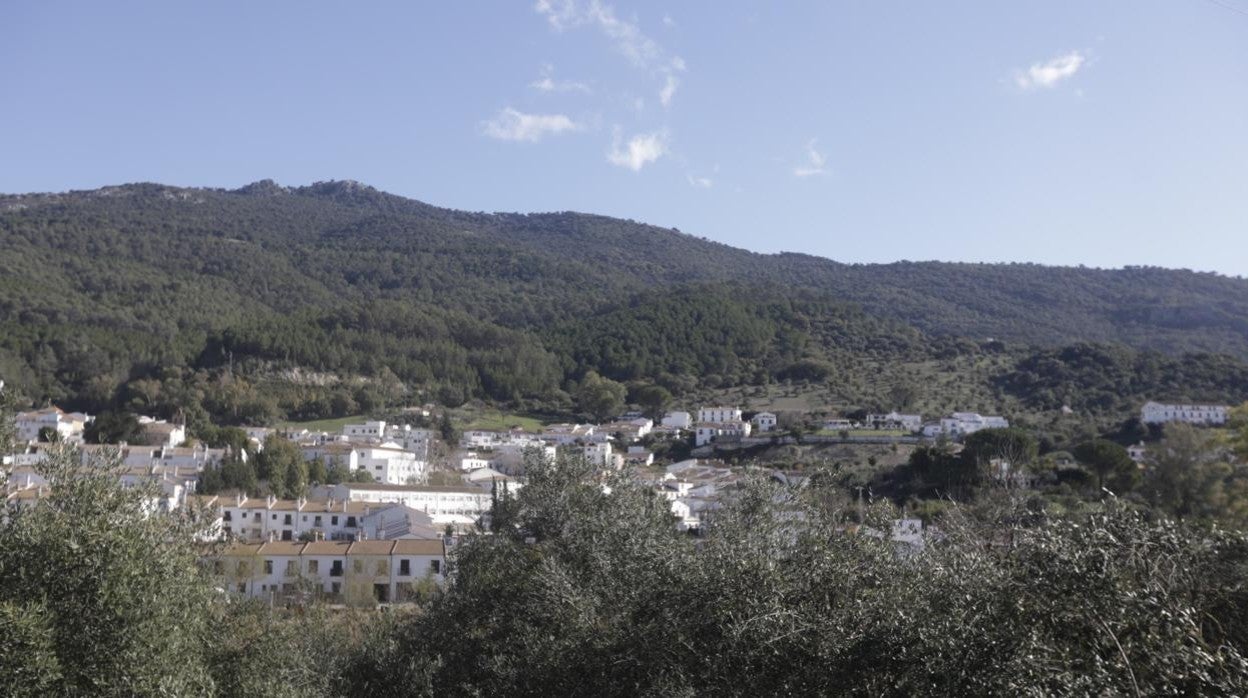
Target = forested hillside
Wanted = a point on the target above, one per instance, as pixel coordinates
(165, 299)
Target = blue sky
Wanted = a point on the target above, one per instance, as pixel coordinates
(1096, 133)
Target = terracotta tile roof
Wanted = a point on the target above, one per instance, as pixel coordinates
(327, 547)
(371, 547)
(418, 547)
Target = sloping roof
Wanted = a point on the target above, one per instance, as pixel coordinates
(418, 547)
(371, 547)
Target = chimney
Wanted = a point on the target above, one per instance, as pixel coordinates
(271, 501)
(239, 499)
(359, 535)
(302, 502)
(272, 536)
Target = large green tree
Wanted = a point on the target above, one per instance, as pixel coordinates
(1110, 462)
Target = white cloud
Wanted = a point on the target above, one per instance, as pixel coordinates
(700, 182)
(669, 90)
(513, 125)
(548, 83)
(1050, 72)
(668, 21)
(640, 50)
(814, 162)
(641, 150)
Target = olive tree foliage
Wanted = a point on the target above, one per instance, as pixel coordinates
(104, 588)
(589, 590)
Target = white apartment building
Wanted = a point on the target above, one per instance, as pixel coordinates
(353, 572)
(387, 462)
(705, 433)
(437, 501)
(1159, 413)
(719, 415)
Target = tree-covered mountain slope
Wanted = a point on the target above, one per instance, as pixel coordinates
(103, 288)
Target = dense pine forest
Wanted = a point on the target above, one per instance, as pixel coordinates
(268, 302)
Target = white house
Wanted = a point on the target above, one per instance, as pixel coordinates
(895, 420)
(677, 420)
(362, 571)
(705, 433)
(963, 423)
(366, 432)
(567, 434)
(158, 432)
(1138, 452)
(69, 425)
(1158, 413)
(764, 422)
(602, 455)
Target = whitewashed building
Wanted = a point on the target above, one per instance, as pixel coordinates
(895, 420)
(68, 425)
(677, 420)
(719, 415)
(764, 422)
(1159, 413)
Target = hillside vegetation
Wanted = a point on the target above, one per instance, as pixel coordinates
(221, 303)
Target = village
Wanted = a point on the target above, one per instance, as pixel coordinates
(384, 536)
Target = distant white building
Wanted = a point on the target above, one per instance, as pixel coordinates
(68, 425)
(895, 420)
(705, 433)
(437, 501)
(764, 422)
(963, 423)
(158, 432)
(677, 420)
(719, 415)
(1159, 413)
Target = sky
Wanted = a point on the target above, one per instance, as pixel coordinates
(1088, 132)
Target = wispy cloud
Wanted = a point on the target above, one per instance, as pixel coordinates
(513, 125)
(627, 38)
(700, 182)
(548, 83)
(669, 90)
(641, 150)
(814, 163)
(1051, 72)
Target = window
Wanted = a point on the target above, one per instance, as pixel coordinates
(333, 520)
(383, 567)
(242, 587)
(314, 566)
(357, 566)
(292, 568)
(405, 568)
(244, 567)
(435, 566)
(268, 567)
(256, 518)
(350, 522)
(286, 520)
(286, 535)
(335, 570)
(274, 517)
(227, 516)
(316, 522)
(218, 567)
(335, 588)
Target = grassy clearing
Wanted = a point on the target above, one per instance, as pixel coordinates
(500, 421)
(325, 424)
